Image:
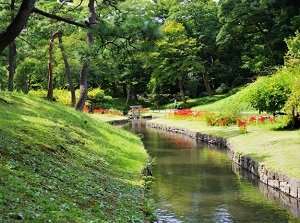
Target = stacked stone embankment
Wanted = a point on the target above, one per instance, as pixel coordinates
(118, 122)
(282, 182)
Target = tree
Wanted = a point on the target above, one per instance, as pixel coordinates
(175, 56)
(292, 61)
(84, 69)
(12, 54)
(259, 29)
(201, 22)
(18, 23)
(50, 69)
(68, 71)
(8, 36)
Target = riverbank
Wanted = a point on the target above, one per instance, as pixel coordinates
(271, 155)
(60, 165)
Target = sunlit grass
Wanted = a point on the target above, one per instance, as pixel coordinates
(60, 165)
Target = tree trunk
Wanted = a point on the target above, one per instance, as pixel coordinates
(135, 96)
(124, 87)
(68, 71)
(206, 84)
(84, 69)
(295, 119)
(12, 65)
(182, 91)
(83, 87)
(50, 69)
(127, 97)
(16, 26)
(12, 54)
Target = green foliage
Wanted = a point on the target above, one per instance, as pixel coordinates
(31, 74)
(292, 57)
(3, 78)
(222, 89)
(292, 60)
(96, 93)
(175, 56)
(62, 97)
(293, 102)
(271, 93)
(259, 28)
(60, 165)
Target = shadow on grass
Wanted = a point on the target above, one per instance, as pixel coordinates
(257, 157)
(211, 99)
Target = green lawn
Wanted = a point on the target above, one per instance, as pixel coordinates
(60, 165)
(108, 117)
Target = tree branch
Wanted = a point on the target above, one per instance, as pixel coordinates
(33, 46)
(51, 16)
(16, 26)
(72, 9)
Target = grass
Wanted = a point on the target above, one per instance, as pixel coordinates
(59, 165)
(279, 150)
(109, 117)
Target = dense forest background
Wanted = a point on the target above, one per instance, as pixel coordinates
(161, 50)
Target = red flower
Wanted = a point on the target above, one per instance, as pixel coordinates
(262, 118)
(272, 120)
(252, 119)
(242, 123)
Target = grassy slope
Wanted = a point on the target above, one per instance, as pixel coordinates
(60, 165)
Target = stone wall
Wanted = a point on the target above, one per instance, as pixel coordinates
(279, 181)
(118, 122)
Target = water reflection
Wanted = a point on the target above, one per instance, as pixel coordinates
(197, 183)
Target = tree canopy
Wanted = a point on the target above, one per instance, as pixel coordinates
(150, 48)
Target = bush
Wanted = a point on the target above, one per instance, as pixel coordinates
(96, 93)
(222, 89)
(292, 106)
(271, 93)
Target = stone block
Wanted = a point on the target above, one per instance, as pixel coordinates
(266, 171)
(273, 183)
(243, 161)
(280, 177)
(294, 207)
(285, 200)
(286, 178)
(284, 187)
(273, 175)
(263, 178)
(254, 168)
(236, 157)
(261, 168)
(235, 168)
(295, 184)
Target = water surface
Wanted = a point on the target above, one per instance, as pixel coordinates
(195, 182)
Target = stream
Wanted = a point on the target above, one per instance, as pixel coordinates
(197, 182)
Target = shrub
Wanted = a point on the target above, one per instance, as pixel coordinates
(271, 93)
(96, 93)
(222, 89)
